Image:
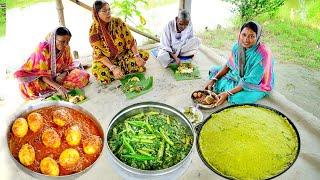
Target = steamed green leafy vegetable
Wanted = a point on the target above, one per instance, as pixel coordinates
(150, 141)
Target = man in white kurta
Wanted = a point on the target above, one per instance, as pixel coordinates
(177, 40)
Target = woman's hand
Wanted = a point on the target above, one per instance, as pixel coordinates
(62, 91)
(222, 98)
(60, 78)
(210, 84)
(140, 61)
(117, 73)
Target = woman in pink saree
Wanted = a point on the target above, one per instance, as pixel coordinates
(50, 68)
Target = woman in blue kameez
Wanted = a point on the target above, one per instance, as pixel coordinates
(248, 75)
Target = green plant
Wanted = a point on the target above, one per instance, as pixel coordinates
(129, 10)
(313, 14)
(23, 3)
(158, 3)
(248, 9)
(2, 18)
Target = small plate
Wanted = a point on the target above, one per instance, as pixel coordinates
(199, 98)
(193, 114)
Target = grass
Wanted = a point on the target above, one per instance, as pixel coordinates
(2, 18)
(291, 40)
(157, 3)
(23, 3)
(219, 38)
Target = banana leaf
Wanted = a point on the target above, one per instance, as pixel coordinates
(144, 85)
(71, 93)
(184, 76)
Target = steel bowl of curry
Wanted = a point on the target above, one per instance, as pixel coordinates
(54, 140)
(248, 141)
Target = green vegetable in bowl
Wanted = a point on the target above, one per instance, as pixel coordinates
(150, 141)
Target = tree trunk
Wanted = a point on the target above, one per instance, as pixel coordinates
(60, 12)
(185, 4)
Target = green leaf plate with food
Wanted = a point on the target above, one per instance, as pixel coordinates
(134, 85)
(75, 96)
(185, 71)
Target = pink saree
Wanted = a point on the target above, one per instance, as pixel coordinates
(45, 63)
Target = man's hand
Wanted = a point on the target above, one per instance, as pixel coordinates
(178, 61)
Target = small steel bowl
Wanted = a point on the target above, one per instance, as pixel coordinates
(201, 105)
(194, 110)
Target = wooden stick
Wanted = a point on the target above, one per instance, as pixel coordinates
(143, 33)
(82, 4)
(181, 4)
(60, 12)
(85, 6)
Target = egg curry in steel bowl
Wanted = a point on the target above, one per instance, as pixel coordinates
(55, 139)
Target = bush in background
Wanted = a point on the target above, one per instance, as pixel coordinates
(2, 17)
(129, 10)
(248, 9)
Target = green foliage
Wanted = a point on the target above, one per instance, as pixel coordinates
(23, 3)
(159, 3)
(2, 18)
(313, 14)
(129, 10)
(293, 42)
(248, 9)
(220, 38)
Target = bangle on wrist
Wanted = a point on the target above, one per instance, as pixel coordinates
(229, 93)
(137, 55)
(113, 67)
(216, 79)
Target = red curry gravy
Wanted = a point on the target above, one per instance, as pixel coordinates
(83, 121)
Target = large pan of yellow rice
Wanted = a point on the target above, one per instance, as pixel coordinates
(248, 141)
